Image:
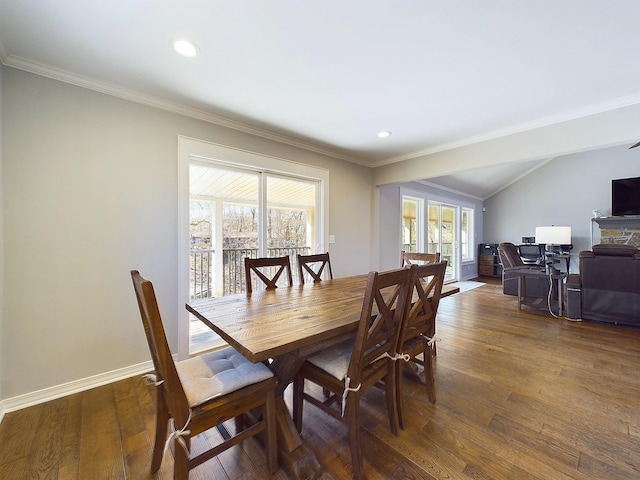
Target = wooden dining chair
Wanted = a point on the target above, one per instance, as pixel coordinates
(347, 370)
(202, 392)
(417, 333)
(419, 258)
(313, 267)
(267, 269)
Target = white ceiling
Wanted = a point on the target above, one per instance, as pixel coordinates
(332, 74)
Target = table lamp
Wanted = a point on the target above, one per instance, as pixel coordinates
(553, 237)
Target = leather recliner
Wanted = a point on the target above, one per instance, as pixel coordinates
(608, 286)
(511, 261)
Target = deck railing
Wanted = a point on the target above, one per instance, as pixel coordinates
(201, 269)
(200, 274)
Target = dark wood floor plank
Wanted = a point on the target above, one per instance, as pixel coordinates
(47, 445)
(133, 429)
(15, 469)
(70, 455)
(421, 452)
(409, 471)
(592, 467)
(17, 431)
(100, 443)
(562, 455)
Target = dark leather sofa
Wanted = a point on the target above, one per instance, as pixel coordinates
(511, 261)
(608, 286)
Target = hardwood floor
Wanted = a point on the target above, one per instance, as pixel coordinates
(520, 395)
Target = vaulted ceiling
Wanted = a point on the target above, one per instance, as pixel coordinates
(330, 75)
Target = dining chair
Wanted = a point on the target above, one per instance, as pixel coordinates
(267, 269)
(419, 258)
(202, 392)
(347, 370)
(417, 333)
(312, 266)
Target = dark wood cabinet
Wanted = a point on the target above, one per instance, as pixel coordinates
(488, 260)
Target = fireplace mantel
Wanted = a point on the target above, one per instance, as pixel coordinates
(617, 222)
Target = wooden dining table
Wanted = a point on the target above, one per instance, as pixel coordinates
(284, 326)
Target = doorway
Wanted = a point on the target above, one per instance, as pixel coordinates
(442, 233)
(235, 213)
(233, 203)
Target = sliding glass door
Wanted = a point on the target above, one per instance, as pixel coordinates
(442, 235)
(237, 213)
(439, 226)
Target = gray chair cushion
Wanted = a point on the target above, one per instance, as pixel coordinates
(335, 359)
(217, 373)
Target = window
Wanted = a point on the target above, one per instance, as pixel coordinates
(467, 235)
(237, 204)
(411, 224)
(441, 236)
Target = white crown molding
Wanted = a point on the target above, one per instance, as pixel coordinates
(163, 104)
(40, 396)
(160, 103)
(523, 127)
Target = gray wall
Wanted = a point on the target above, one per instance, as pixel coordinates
(389, 210)
(563, 191)
(90, 191)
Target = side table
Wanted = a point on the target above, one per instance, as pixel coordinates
(522, 285)
(554, 258)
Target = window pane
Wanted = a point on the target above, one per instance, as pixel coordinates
(410, 210)
(433, 238)
(447, 239)
(223, 229)
(291, 218)
(442, 235)
(467, 234)
(224, 209)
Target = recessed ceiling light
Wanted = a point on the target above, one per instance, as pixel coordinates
(384, 134)
(185, 48)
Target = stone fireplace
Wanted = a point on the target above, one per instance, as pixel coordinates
(621, 230)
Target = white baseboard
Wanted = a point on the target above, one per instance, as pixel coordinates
(40, 396)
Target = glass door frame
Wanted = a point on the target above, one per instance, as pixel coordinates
(419, 219)
(453, 268)
(189, 148)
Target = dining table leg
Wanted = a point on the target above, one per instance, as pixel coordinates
(294, 457)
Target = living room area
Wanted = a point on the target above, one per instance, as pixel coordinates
(576, 191)
(567, 190)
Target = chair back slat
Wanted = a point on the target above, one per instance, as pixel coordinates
(313, 267)
(273, 267)
(427, 291)
(165, 368)
(384, 308)
(419, 258)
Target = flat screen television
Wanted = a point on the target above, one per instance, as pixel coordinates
(625, 196)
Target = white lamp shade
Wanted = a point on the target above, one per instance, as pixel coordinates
(553, 235)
